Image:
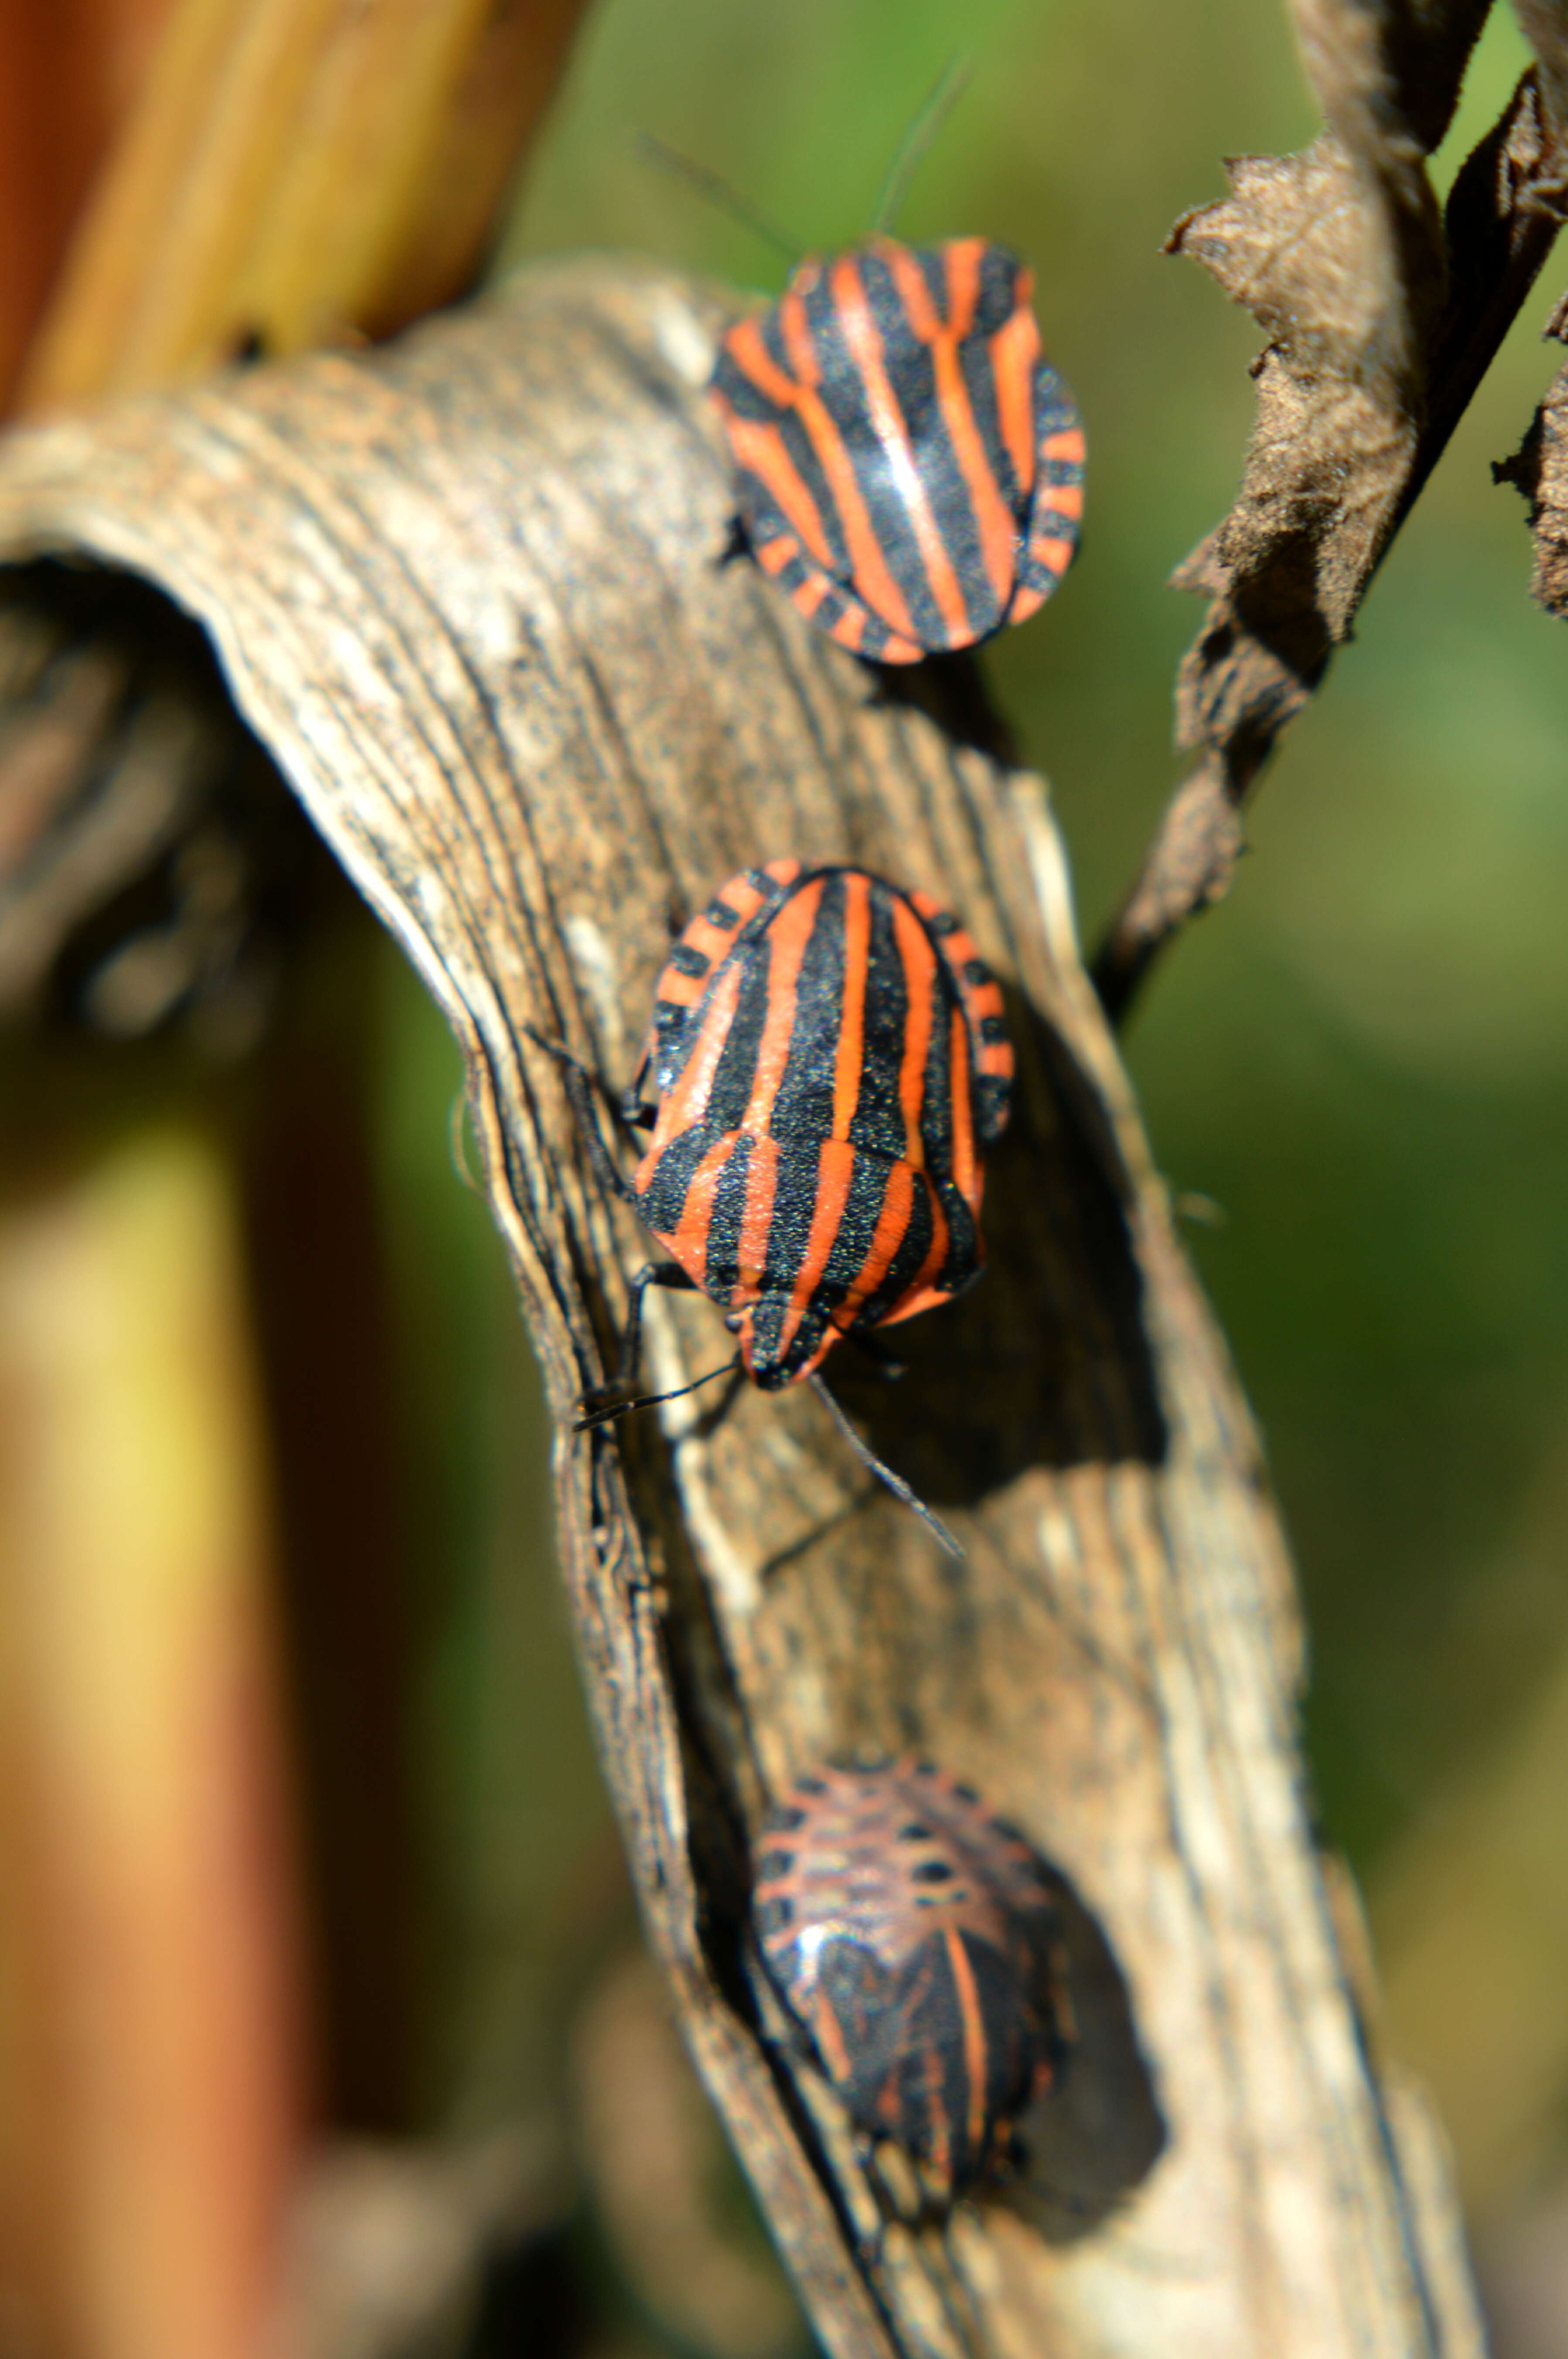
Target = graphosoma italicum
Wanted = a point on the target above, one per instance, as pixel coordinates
(913, 1935)
(909, 466)
(828, 1062)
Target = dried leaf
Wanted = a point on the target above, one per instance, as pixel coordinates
(1380, 327)
(1539, 468)
(469, 592)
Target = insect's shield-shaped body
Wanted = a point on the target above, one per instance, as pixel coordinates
(914, 1937)
(909, 466)
(829, 1064)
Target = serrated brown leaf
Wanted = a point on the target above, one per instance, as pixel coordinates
(1380, 327)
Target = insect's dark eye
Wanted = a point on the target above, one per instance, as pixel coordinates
(932, 1871)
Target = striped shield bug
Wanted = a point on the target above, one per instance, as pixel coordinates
(909, 466)
(914, 1937)
(827, 1063)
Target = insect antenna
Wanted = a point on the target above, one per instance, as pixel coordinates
(895, 1482)
(914, 143)
(612, 1409)
(719, 192)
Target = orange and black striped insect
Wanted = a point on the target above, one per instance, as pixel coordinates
(912, 1936)
(909, 466)
(829, 1064)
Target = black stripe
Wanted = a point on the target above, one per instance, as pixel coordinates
(1000, 273)
(936, 1104)
(672, 1038)
(675, 1028)
(876, 1122)
(662, 1197)
(847, 1256)
(761, 512)
(911, 371)
(1054, 411)
(736, 1067)
(912, 374)
(722, 1268)
(803, 1109)
(906, 1263)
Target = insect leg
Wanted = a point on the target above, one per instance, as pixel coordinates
(613, 1399)
(895, 1482)
(653, 1273)
(578, 1081)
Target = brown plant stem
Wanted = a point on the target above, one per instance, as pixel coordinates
(531, 712)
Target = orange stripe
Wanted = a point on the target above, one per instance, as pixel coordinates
(920, 1295)
(994, 519)
(774, 555)
(892, 1227)
(786, 939)
(703, 935)
(849, 629)
(688, 1242)
(974, 2037)
(966, 1170)
(738, 893)
(1066, 442)
(835, 1170)
(851, 1054)
(752, 1253)
(760, 449)
(919, 963)
(1067, 499)
(684, 1106)
(853, 307)
(868, 565)
(831, 2039)
(1014, 351)
(1054, 554)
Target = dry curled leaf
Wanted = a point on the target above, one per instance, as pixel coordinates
(470, 593)
(1539, 469)
(1381, 323)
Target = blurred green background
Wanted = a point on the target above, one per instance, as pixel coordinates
(1362, 1057)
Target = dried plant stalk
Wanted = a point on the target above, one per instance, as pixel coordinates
(296, 171)
(468, 592)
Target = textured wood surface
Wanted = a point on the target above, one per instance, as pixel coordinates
(469, 591)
